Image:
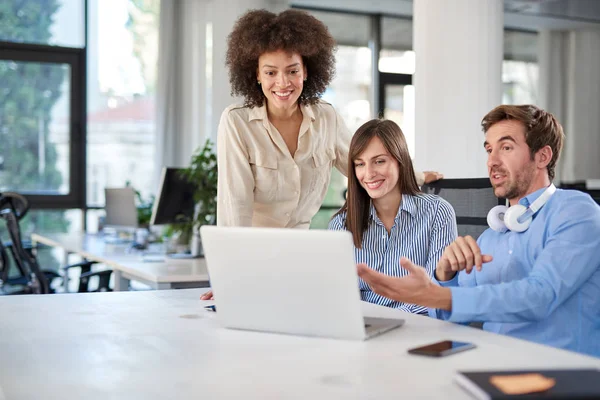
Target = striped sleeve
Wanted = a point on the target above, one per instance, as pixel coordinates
(337, 223)
(444, 231)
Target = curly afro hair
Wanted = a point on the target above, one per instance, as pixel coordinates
(294, 31)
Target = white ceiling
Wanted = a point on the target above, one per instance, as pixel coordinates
(519, 14)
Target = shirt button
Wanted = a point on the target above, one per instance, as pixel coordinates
(287, 214)
(510, 252)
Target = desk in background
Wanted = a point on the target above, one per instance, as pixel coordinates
(167, 274)
(162, 344)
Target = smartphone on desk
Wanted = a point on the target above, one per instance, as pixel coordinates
(442, 349)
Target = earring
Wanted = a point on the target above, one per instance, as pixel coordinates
(258, 82)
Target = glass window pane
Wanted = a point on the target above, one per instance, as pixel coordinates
(34, 127)
(122, 61)
(322, 218)
(49, 22)
(349, 90)
(520, 46)
(346, 29)
(520, 80)
(400, 108)
(398, 62)
(396, 34)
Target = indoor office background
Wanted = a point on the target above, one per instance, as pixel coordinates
(87, 103)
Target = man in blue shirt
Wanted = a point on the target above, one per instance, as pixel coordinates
(539, 282)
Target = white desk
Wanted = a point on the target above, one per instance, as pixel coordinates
(167, 274)
(162, 345)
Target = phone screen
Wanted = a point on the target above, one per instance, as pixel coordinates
(441, 349)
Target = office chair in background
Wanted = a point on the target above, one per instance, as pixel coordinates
(471, 200)
(32, 279)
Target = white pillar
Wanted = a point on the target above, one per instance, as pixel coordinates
(458, 79)
(221, 15)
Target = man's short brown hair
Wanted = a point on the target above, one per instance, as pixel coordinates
(541, 128)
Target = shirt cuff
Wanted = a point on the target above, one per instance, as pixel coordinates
(463, 305)
(451, 283)
(443, 314)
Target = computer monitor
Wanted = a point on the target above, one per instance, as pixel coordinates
(175, 203)
(121, 212)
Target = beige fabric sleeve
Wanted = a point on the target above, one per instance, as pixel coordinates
(235, 189)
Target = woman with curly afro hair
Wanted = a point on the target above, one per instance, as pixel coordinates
(276, 151)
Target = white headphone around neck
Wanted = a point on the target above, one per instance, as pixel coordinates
(518, 217)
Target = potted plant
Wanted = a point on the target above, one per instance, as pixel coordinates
(203, 173)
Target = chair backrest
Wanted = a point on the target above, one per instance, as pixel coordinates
(471, 199)
(13, 207)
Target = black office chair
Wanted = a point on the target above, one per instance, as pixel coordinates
(471, 200)
(32, 279)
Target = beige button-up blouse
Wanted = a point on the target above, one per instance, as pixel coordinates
(260, 183)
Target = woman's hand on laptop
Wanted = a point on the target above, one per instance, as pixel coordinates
(207, 296)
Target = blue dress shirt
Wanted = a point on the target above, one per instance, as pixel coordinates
(424, 226)
(543, 284)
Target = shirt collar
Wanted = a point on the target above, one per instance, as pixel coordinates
(407, 205)
(261, 112)
(531, 197)
(258, 112)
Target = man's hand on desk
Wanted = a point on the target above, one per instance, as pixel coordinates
(207, 296)
(462, 254)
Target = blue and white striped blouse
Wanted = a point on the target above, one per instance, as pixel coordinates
(424, 226)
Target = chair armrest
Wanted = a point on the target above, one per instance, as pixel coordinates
(106, 272)
(80, 264)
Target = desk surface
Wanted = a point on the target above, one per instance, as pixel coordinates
(162, 344)
(93, 247)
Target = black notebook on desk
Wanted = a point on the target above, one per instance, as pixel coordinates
(570, 384)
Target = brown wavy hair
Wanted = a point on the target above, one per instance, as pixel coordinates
(293, 31)
(541, 129)
(358, 201)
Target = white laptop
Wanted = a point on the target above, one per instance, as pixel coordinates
(301, 282)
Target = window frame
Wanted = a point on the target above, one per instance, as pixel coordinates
(76, 59)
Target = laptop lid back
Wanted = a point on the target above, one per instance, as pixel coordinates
(284, 280)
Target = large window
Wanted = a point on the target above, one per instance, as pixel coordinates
(122, 63)
(349, 92)
(41, 101)
(520, 73)
(352, 92)
(43, 22)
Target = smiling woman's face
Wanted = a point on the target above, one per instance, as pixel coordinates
(376, 170)
(281, 76)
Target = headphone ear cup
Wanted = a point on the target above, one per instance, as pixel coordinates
(495, 218)
(511, 218)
